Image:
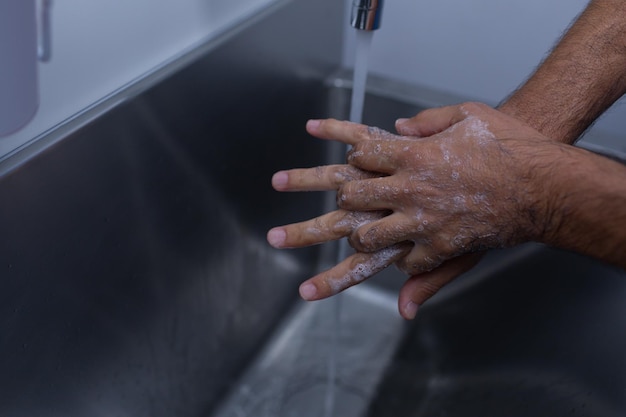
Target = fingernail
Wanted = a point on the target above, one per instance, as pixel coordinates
(313, 124)
(308, 291)
(401, 121)
(279, 180)
(410, 310)
(276, 237)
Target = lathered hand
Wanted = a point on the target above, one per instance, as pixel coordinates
(459, 184)
(332, 226)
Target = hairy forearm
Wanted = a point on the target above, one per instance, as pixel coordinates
(587, 204)
(580, 79)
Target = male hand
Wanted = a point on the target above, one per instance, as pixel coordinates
(458, 182)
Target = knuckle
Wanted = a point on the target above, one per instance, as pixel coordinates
(347, 173)
(346, 222)
(363, 239)
(355, 153)
(342, 196)
(474, 107)
(376, 133)
(356, 241)
(339, 175)
(407, 267)
(416, 265)
(412, 267)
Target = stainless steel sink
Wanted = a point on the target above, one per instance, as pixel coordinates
(135, 279)
(530, 331)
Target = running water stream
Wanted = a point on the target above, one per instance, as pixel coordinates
(325, 359)
(359, 81)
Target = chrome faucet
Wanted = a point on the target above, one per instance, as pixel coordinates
(366, 14)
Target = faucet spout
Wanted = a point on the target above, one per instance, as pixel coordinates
(366, 14)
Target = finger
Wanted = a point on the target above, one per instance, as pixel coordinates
(376, 235)
(421, 259)
(351, 271)
(371, 194)
(322, 178)
(344, 131)
(431, 121)
(384, 156)
(330, 226)
(419, 288)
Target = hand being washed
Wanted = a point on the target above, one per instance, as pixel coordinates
(457, 180)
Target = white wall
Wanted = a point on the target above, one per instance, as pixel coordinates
(101, 45)
(480, 49)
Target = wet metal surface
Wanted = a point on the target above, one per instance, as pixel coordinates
(136, 280)
(531, 332)
(289, 377)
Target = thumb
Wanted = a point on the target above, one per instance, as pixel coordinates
(419, 288)
(430, 122)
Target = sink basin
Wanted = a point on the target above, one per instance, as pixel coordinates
(136, 279)
(530, 331)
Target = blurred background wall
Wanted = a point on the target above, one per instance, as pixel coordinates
(100, 47)
(479, 49)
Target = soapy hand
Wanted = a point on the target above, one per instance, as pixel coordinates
(455, 182)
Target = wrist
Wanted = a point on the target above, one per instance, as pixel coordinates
(581, 77)
(585, 204)
(539, 190)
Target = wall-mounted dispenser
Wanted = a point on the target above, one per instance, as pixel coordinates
(22, 45)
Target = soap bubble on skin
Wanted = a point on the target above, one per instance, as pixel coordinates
(459, 200)
(419, 214)
(446, 155)
(478, 129)
(378, 261)
(424, 176)
(458, 241)
(355, 154)
(377, 133)
(356, 219)
(480, 199)
(421, 223)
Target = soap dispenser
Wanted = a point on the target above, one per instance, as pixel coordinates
(22, 46)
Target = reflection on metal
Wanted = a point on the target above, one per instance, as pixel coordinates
(289, 376)
(44, 50)
(135, 275)
(25, 39)
(366, 14)
(136, 279)
(19, 84)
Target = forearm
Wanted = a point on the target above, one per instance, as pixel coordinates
(587, 205)
(580, 79)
